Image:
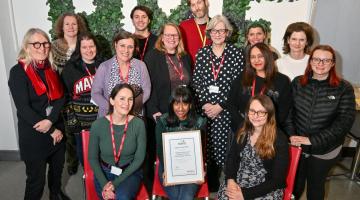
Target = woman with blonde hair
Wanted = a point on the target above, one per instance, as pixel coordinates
(258, 158)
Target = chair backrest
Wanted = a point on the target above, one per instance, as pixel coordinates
(294, 157)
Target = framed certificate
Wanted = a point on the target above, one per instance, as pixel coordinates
(183, 160)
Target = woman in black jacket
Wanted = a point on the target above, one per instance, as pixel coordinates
(322, 114)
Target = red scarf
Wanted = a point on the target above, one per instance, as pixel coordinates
(54, 89)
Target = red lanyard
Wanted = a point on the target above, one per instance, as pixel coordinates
(216, 72)
(117, 156)
(144, 49)
(120, 73)
(179, 70)
(87, 70)
(253, 88)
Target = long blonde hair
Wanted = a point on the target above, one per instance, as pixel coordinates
(159, 45)
(264, 145)
(24, 55)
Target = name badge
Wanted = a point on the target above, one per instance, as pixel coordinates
(213, 89)
(48, 110)
(115, 170)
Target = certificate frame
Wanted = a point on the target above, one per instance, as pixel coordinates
(183, 157)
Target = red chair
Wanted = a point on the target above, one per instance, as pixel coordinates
(294, 157)
(90, 191)
(158, 190)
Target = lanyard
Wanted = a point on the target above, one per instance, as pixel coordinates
(117, 156)
(202, 38)
(87, 69)
(142, 54)
(253, 88)
(179, 70)
(120, 73)
(216, 72)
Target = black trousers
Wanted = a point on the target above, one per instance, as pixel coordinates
(313, 171)
(36, 174)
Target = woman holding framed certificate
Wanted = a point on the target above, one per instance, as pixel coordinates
(181, 117)
(257, 162)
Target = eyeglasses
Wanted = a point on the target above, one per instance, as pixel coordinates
(253, 57)
(325, 61)
(168, 36)
(259, 113)
(218, 31)
(37, 45)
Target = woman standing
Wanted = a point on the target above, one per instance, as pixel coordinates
(78, 76)
(181, 117)
(122, 68)
(38, 96)
(258, 158)
(298, 39)
(117, 147)
(260, 77)
(322, 114)
(217, 65)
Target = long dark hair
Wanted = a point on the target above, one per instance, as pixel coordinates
(115, 91)
(76, 56)
(181, 94)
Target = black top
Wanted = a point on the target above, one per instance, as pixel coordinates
(30, 109)
(150, 45)
(276, 167)
(157, 65)
(239, 96)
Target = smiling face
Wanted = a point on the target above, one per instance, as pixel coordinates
(257, 60)
(256, 35)
(70, 26)
(321, 63)
(257, 114)
(125, 49)
(199, 8)
(87, 50)
(140, 20)
(170, 38)
(122, 102)
(181, 109)
(217, 34)
(40, 54)
(297, 42)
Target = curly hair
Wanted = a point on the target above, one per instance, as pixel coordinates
(59, 24)
(298, 27)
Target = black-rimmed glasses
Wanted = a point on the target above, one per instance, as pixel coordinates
(218, 31)
(37, 45)
(325, 61)
(259, 113)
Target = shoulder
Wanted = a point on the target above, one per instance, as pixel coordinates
(106, 63)
(16, 69)
(281, 138)
(99, 123)
(205, 50)
(154, 53)
(282, 78)
(70, 67)
(59, 44)
(137, 122)
(186, 22)
(137, 63)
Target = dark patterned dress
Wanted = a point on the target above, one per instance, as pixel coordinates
(251, 173)
(233, 64)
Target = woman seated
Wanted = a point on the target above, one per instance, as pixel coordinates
(181, 117)
(117, 147)
(257, 162)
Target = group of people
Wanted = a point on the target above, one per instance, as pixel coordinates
(249, 103)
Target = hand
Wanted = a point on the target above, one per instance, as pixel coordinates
(57, 136)
(299, 140)
(108, 191)
(43, 126)
(156, 115)
(233, 190)
(212, 111)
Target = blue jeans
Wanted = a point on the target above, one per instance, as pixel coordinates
(180, 192)
(127, 189)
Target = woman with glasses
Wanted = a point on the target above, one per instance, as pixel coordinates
(217, 65)
(39, 97)
(322, 114)
(122, 68)
(258, 159)
(260, 77)
(298, 39)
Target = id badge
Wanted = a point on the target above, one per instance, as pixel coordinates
(115, 170)
(213, 89)
(48, 110)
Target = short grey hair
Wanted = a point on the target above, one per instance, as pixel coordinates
(217, 19)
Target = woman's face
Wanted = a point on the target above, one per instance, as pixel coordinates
(321, 63)
(122, 102)
(140, 20)
(257, 60)
(170, 38)
(297, 42)
(70, 26)
(181, 109)
(218, 34)
(257, 114)
(38, 47)
(88, 50)
(125, 49)
(256, 35)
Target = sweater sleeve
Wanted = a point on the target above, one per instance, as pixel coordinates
(233, 160)
(160, 128)
(98, 88)
(288, 124)
(198, 81)
(145, 82)
(277, 177)
(341, 123)
(139, 154)
(152, 104)
(284, 103)
(232, 104)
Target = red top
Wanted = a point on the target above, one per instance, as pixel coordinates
(193, 41)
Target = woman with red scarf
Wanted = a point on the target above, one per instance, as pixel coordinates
(38, 96)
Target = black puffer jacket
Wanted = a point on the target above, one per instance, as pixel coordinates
(321, 112)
